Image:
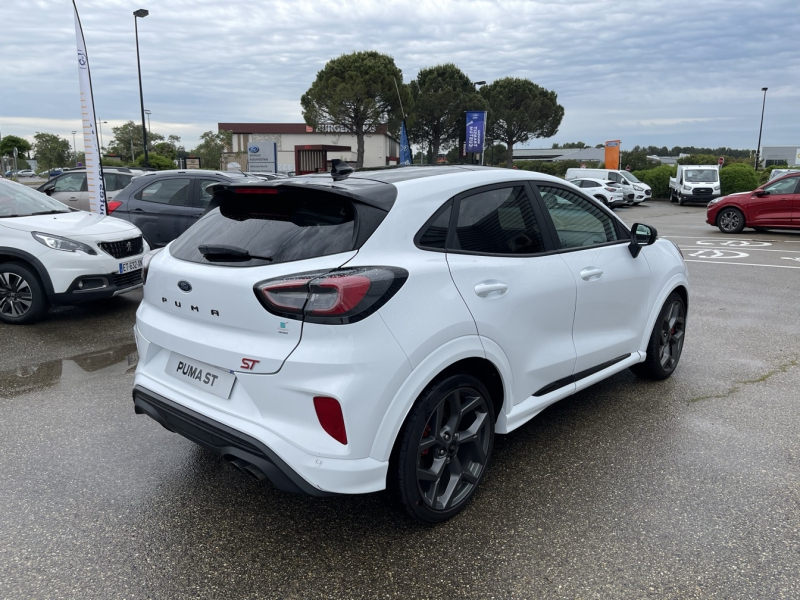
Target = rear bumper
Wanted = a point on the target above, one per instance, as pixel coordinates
(245, 453)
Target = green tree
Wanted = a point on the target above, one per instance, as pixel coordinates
(9, 142)
(497, 154)
(356, 92)
(211, 147)
(127, 140)
(440, 96)
(569, 145)
(520, 110)
(636, 159)
(698, 159)
(738, 177)
(51, 150)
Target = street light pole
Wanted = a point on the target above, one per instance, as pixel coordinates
(760, 128)
(476, 84)
(100, 123)
(149, 131)
(141, 14)
(74, 148)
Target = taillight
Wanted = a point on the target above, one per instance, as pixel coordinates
(113, 205)
(610, 189)
(146, 263)
(329, 414)
(333, 297)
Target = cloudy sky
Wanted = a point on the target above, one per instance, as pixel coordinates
(677, 72)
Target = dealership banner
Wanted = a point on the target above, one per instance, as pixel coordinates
(476, 131)
(405, 149)
(612, 154)
(91, 147)
(262, 157)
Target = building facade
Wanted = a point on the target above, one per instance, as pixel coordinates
(303, 149)
(780, 155)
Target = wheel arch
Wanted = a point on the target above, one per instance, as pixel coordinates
(677, 283)
(721, 209)
(463, 355)
(16, 255)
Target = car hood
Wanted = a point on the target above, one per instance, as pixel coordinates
(72, 223)
(739, 195)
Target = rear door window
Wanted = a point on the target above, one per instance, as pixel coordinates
(272, 229)
(71, 182)
(167, 191)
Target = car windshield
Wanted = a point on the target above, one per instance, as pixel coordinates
(17, 200)
(701, 175)
(630, 177)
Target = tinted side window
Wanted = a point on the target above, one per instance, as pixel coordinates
(578, 222)
(435, 235)
(71, 182)
(167, 191)
(499, 221)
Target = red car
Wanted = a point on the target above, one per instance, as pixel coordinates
(775, 205)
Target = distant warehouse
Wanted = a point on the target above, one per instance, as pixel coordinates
(780, 155)
(304, 149)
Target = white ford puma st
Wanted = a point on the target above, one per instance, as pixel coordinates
(350, 332)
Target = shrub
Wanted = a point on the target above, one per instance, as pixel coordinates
(657, 179)
(156, 161)
(738, 177)
(763, 176)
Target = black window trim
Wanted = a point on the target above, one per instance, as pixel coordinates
(455, 202)
(622, 230)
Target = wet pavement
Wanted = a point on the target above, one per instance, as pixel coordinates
(687, 488)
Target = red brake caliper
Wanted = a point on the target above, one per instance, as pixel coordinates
(425, 434)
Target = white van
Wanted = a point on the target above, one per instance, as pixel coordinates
(628, 181)
(695, 183)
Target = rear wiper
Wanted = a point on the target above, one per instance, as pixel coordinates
(219, 251)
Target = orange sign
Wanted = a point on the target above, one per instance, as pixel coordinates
(612, 154)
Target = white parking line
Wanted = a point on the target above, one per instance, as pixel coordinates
(749, 249)
(719, 262)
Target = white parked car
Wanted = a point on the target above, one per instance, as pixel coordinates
(338, 335)
(608, 192)
(51, 254)
(629, 182)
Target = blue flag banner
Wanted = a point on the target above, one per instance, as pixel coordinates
(476, 130)
(405, 149)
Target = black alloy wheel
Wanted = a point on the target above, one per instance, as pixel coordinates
(666, 341)
(22, 298)
(445, 447)
(730, 220)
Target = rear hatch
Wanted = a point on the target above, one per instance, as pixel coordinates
(201, 299)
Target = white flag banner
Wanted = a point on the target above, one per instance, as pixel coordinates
(91, 148)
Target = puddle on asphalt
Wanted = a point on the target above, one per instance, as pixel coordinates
(22, 380)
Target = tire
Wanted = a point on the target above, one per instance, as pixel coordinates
(602, 199)
(672, 196)
(666, 341)
(442, 456)
(22, 296)
(680, 200)
(730, 220)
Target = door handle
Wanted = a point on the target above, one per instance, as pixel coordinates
(590, 273)
(496, 288)
(137, 210)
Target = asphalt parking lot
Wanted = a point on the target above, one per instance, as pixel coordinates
(686, 488)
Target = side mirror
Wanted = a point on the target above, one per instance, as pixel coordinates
(641, 235)
(761, 193)
(49, 191)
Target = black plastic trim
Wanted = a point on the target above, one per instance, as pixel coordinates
(75, 296)
(222, 440)
(552, 387)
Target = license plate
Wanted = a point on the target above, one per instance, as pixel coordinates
(131, 265)
(200, 375)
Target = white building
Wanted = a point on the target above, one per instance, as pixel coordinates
(303, 149)
(780, 155)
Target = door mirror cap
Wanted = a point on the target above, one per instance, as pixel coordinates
(641, 235)
(49, 191)
(760, 193)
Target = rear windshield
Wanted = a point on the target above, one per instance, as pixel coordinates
(271, 229)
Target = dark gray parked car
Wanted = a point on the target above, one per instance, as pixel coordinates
(164, 204)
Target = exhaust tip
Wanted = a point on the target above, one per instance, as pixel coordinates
(246, 467)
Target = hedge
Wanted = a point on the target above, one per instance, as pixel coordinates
(738, 177)
(657, 179)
